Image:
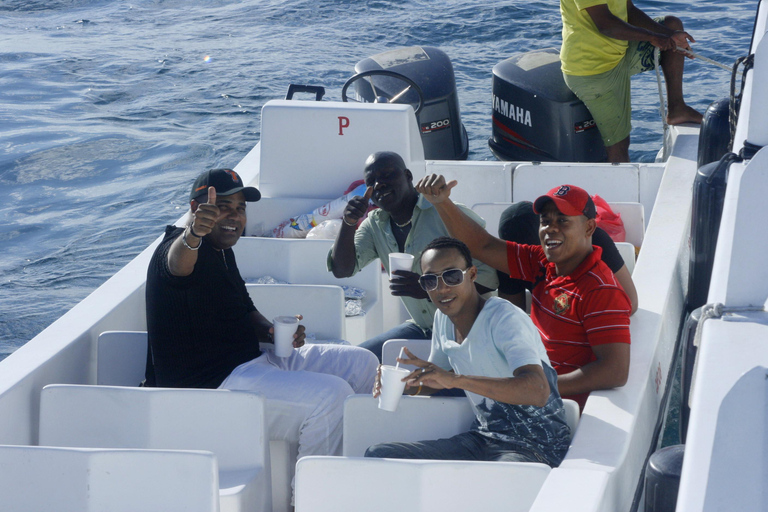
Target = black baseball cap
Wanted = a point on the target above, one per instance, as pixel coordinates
(225, 181)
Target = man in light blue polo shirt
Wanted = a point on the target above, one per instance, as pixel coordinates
(491, 350)
(404, 222)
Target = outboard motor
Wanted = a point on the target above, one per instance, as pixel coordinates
(537, 117)
(422, 76)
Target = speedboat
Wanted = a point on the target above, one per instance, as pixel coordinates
(309, 153)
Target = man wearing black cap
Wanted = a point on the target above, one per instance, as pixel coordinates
(579, 307)
(204, 330)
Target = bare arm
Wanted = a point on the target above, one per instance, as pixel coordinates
(610, 370)
(640, 27)
(182, 259)
(625, 280)
(487, 248)
(343, 252)
(528, 387)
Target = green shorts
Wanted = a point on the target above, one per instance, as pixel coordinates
(607, 95)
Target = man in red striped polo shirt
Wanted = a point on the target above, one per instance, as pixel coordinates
(578, 306)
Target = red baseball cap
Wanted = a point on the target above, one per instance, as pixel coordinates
(569, 199)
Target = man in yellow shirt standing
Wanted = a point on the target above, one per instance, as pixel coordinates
(605, 42)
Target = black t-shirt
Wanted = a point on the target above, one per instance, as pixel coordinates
(199, 326)
(520, 224)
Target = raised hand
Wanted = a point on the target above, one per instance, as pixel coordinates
(434, 188)
(206, 216)
(356, 207)
(406, 285)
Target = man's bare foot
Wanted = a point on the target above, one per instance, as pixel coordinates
(683, 114)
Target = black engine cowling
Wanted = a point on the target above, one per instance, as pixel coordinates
(536, 116)
(442, 133)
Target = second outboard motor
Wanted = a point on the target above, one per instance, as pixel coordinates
(537, 117)
(422, 76)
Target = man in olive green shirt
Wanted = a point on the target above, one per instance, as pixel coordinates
(605, 42)
(404, 222)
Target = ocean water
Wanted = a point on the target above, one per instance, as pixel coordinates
(109, 109)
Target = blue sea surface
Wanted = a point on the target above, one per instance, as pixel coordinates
(109, 109)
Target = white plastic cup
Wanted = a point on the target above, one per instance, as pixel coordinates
(400, 261)
(285, 327)
(392, 387)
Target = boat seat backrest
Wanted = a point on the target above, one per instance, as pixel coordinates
(627, 252)
(633, 217)
(415, 419)
(321, 305)
(92, 480)
(478, 182)
(230, 424)
(317, 148)
(491, 213)
(298, 261)
(121, 358)
(614, 183)
(341, 484)
(391, 350)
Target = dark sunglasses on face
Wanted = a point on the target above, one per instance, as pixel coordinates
(451, 277)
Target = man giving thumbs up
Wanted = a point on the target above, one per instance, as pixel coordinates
(204, 330)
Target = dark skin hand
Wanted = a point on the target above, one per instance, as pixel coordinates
(357, 206)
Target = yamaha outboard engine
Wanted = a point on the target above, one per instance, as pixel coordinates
(422, 76)
(536, 116)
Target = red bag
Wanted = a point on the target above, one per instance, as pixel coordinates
(608, 220)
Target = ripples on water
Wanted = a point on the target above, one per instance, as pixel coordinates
(109, 109)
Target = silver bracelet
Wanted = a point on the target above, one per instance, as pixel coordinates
(344, 220)
(184, 241)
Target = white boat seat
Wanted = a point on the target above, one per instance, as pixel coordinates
(317, 148)
(342, 484)
(43, 478)
(491, 213)
(479, 182)
(416, 418)
(298, 261)
(321, 305)
(230, 424)
(611, 182)
(391, 350)
(121, 358)
(627, 252)
(633, 216)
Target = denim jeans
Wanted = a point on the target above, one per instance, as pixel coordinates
(467, 446)
(407, 330)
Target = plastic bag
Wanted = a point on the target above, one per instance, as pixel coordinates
(299, 226)
(608, 220)
(326, 230)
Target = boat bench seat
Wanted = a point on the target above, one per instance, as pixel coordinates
(303, 262)
(342, 483)
(92, 480)
(321, 305)
(230, 424)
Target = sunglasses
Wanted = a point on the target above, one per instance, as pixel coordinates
(451, 277)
